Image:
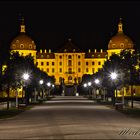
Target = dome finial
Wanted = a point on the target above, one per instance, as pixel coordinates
(120, 26)
(22, 26)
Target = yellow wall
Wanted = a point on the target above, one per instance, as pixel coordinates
(78, 66)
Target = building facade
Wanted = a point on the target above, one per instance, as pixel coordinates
(70, 63)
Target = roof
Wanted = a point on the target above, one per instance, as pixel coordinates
(95, 54)
(22, 42)
(46, 55)
(69, 47)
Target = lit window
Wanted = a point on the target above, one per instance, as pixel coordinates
(70, 70)
(42, 63)
(79, 70)
(93, 63)
(52, 70)
(69, 57)
(41, 55)
(92, 70)
(47, 63)
(79, 63)
(60, 70)
(86, 63)
(60, 63)
(53, 63)
(69, 63)
(30, 46)
(48, 70)
(21, 46)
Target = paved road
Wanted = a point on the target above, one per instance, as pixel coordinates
(69, 118)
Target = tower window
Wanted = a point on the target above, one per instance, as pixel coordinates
(30, 46)
(86, 63)
(21, 46)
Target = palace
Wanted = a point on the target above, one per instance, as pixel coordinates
(69, 63)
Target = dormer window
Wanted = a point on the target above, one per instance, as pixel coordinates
(30, 46)
(21, 46)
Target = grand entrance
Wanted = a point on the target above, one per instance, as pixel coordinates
(69, 90)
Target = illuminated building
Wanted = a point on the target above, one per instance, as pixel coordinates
(70, 63)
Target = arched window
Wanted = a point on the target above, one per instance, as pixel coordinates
(69, 57)
(69, 78)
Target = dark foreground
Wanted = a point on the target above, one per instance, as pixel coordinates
(70, 118)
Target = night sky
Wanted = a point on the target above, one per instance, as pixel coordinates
(90, 24)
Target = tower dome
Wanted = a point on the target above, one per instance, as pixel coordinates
(120, 40)
(22, 41)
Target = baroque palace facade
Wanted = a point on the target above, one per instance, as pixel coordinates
(70, 63)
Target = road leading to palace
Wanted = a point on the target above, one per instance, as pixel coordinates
(68, 117)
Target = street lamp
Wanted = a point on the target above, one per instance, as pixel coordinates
(25, 77)
(41, 82)
(85, 85)
(114, 76)
(97, 81)
(49, 85)
(89, 87)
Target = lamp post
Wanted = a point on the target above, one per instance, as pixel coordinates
(25, 77)
(97, 82)
(41, 83)
(89, 87)
(114, 76)
(49, 85)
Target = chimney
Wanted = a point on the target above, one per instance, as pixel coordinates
(45, 51)
(41, 51)
(95, 50)
(101, 50)
(89, 50)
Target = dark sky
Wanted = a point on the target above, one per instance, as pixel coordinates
(89, 23)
